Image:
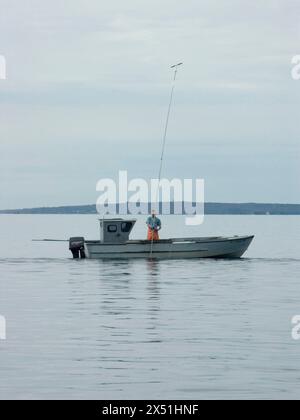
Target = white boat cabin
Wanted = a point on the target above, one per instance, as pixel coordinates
(115, 230)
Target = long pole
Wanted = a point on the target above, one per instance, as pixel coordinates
(167, 121)
(175, 67)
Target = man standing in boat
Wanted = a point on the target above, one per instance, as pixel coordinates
(154, 225)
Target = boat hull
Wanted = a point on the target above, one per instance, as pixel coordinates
(178, 248)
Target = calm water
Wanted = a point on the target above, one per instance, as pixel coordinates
(140, 329)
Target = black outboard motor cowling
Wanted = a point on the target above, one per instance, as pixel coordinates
(76, 246)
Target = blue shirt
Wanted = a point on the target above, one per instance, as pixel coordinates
(153, 222)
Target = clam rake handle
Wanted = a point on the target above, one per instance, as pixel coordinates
(175, 67)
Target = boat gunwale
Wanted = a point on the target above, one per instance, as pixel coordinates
(172, 240)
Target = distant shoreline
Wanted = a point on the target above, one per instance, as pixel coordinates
(210, 208)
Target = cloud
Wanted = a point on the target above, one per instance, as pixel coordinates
(87, 78)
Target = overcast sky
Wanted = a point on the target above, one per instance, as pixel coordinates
(87, 90)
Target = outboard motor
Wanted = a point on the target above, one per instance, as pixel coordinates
(76, 246)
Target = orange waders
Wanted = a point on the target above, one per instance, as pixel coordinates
(152, 235)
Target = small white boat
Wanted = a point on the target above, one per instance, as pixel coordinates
(114, 243)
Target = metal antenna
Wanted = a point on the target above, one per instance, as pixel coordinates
(175, 66)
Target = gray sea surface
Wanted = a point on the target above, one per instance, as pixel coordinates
(141, 329)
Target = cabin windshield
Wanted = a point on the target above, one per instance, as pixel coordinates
(126, 226)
